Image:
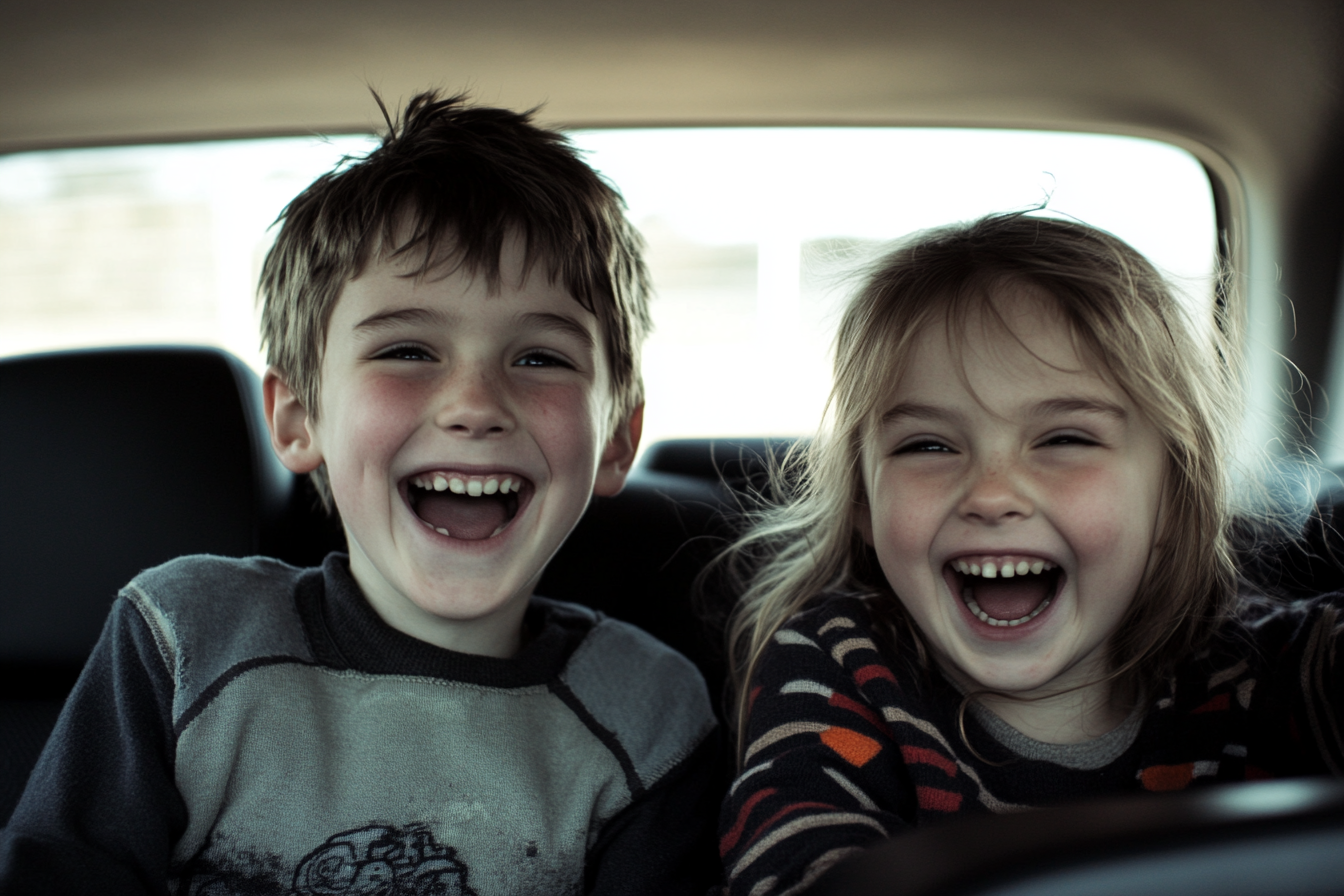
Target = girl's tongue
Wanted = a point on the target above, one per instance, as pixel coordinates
(1010, 598)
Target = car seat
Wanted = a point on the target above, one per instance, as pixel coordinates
(116, 460)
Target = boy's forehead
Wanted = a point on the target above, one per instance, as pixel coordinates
(392, 295)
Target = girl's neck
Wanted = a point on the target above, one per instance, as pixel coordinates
(1072, 717)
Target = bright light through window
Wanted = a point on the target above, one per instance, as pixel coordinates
(753, 235)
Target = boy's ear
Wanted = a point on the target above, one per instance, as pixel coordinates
(287, 419)
(619, 455)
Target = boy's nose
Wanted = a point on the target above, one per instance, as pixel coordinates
(473, 404)
(994, 496)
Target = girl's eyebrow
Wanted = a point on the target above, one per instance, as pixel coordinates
(1064, 405)
(1075, 404)
(917, 411)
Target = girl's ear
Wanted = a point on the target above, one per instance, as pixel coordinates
(619, 455)
(287, 419)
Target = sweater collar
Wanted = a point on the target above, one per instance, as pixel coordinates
(345, 632)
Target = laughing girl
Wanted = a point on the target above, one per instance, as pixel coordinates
(1006, 577)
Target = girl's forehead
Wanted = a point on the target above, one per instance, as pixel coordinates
(1014, 342)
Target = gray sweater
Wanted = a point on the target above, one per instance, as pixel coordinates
(246, 726)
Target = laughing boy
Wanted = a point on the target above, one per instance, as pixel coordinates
(453, 327)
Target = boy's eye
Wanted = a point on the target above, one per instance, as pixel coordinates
(541, 359)
(404, 353)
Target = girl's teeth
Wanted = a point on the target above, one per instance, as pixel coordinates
(491, 486)
(440, 484)
(992, 570)
(474, 488)
(458, 486)
(1002, 623)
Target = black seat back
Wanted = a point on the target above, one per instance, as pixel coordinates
(113, 461)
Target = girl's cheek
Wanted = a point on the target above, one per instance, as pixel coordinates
(1098, 507)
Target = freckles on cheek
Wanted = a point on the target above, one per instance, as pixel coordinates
(1100, 509)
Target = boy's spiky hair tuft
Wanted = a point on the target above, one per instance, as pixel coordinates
(447, 185)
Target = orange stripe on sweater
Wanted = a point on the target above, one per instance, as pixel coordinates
(851, 746)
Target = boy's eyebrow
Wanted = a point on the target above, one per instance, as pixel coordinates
(385, 319)
(563, 323)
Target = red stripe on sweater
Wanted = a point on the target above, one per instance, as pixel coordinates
(1216, 704)
(730, 839)
(841, 701)
(874, 670)
(1165, 778)
(925, 756)
(791, 807)
(938, 800)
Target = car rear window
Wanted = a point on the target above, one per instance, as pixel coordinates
(753, 237)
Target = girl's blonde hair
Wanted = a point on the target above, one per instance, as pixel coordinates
(1183, 378)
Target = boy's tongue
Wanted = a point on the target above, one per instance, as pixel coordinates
(470, 519)
(1008, 598)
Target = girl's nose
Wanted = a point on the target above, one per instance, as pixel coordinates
(994, 496)
(473, 403)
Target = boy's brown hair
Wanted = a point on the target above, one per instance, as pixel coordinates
(449, 182)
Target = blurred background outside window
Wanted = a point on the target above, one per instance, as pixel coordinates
(753, 237)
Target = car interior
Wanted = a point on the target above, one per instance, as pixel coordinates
(117, 457)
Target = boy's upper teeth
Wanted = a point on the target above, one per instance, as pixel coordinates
(473, 486)
(1006, 567)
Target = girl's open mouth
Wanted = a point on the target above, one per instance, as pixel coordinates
(469, 507)
(1004, 591)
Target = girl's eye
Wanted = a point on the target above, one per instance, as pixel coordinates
(923, 446)
(404, 353)
(539, 358)
(1070, 438)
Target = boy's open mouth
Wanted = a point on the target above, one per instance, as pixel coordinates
(470, 507)
(1005, 590)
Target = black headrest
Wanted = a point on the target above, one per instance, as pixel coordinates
(115, 460)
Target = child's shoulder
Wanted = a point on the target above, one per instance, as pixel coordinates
(218, 611)
(210, 590)
(202, 574)
(832, 636)
(829, 617)
(649, 697)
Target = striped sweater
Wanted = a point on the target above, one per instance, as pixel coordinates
(844, 748)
